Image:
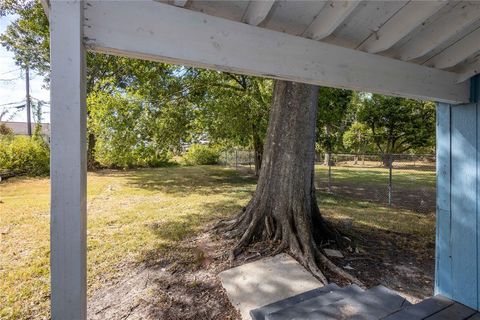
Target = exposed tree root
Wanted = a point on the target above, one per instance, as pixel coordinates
(339, 271)
(309, 254)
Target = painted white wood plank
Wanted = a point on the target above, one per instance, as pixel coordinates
(329, 18)
(161, 32)
(257, 11)
(368, 17)
(457, 52)
(68, 162)
(440, 30)
(401, 24)
(293, 17)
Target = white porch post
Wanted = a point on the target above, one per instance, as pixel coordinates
(68, 162)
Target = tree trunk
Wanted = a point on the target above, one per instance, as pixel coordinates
(258, 151)
(284, 207)
(91, 162)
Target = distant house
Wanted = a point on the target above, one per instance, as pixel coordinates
(21, 128)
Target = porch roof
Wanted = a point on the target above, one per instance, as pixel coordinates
(418, 49)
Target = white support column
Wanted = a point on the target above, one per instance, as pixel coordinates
(68, 162)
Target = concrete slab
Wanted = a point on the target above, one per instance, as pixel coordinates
(262, 282)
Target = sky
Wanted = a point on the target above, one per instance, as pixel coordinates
(14, 89)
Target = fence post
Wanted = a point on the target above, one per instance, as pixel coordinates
(390, 161)
(250, 160)
(236, 158)
(329, 160)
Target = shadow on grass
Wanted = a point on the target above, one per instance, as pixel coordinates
(172, 234)
(205, 180)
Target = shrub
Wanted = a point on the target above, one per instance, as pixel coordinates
(4, 130)
(24, 155)
(199, 154)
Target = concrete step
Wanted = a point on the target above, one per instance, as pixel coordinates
(260, 313)
(315, 303)
(350, 303)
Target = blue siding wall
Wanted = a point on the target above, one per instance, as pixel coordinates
(457, 245)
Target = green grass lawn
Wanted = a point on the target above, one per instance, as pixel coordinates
(134, 213)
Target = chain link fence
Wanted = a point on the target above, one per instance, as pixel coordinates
(399, 180)
(238, 158)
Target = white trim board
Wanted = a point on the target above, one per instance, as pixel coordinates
(161, 32)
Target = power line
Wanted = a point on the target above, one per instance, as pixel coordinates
(10, 71)
(11, 103)
(8, 80)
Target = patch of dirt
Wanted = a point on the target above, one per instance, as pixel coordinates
(401, 262)
(183, 283)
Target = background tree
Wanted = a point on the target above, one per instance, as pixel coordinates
(358, 139)
(398, 125)
(231, 109)
(132, 132)
(28, 38)
(332, 119)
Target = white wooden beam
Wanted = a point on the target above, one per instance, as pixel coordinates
(257, 11)
(330, 18)
(161, 32)
(440, 30)
(68, 162)
(412, 15)
(469, 70)
(457, 52)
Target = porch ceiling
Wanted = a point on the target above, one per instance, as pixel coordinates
(419, 49)
(439, 34)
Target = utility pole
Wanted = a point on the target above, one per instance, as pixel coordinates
(27, 101)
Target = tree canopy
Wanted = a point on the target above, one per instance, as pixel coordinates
(398, 125)
(166, 106)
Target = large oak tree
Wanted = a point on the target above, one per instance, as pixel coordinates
(284, 207)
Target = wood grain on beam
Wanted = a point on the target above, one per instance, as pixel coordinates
(330, 18)
(170, 34)
(400, 25)
(257, 11)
